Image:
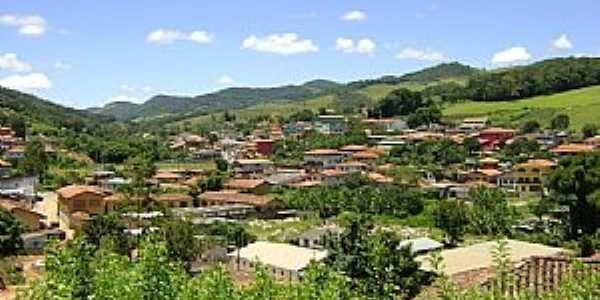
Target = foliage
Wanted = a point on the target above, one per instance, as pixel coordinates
(181, 240)
(106, 226)
(576, 183)
(491, 213)
(589, 130)
(442, 152)
(233, 233)
(452, 216)
(10, 230)
(400, 102)
(293, 149)
(424, 116)
(36, 160)
(531, 126)
(560, 122)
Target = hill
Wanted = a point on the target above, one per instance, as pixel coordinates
(581, 105)
(18, 109)
(227, 99)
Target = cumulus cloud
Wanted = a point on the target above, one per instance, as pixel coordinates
(284, 44)
(354, 16)
(29, 25)
(27, 83)
(169, 36)
(225, 80)
(362, 46)
(418, 54)
(511, 56)
(562, 43)
(11, 62)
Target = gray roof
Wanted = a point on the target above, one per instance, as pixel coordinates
(422, 244)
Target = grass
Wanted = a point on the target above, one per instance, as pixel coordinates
(281, 230)
(581, 105)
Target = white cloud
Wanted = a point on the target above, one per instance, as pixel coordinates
(417, 54)
(284, 44)
(225, 80)
(29, 82)
(354, 16)
(168, 36)
(147, 89)
(59, 65)
(562, 43)
(511, 56)
(362, 46)
(30, 25)
(11, 62)
(123, 98)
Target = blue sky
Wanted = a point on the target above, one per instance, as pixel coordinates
(84, 53)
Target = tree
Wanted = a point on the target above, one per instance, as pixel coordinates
(36, 160)
(491, 212)
(400, 102)
(10, 230)
(560, 122)
(471, 145)
(424, 116)
(221, 164)
(576, 183)
(452, 217)
(530, 126)
(180, 240)
(589, 130)
(107, 226)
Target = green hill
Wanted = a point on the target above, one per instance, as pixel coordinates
(581, 105)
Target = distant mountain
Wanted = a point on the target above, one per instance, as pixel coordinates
(17, 107)
(231, 98)
(435, 73)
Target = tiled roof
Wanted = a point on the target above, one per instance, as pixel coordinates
(240, 184)
(71, 191)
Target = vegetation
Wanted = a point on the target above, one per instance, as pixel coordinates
(10, 230)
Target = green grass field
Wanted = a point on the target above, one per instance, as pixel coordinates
(582, 106)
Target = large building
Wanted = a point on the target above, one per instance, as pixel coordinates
(283, 261)
(77, 202)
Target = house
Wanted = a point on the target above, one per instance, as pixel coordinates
(354, 148)
(35, 242)
(380, 178)
(23, 185)
(491, 138)
(77, 203)
(317, 238)
(175, 200)
(473, 124)
(529, 177)
(283, 261)
(478, 259)
(16, 152)
(384, 125)
(352, 167)
(367, 156)
(285, 178)
(484, 175)
(593, 141)
(264, 146)
(323, 158)
(331, 124)
(254, 186)
(253, 167)
(226, 197)
(332, 176)
(488, 163)
(167, 177)
(30, 219)
(422, 245)
(572, 149)
(5, 168)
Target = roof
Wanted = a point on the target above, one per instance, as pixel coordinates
(489, 172)
(488, 160)
(480, 256)
(592, 140)
(365, 155)
(323, 152)
(306, 183)
(380, 178)
(572, 148)
(284, 178)
(279, 255)
(422, 244)
(475, 120)
(166, 175)
(253, 161)
(354, 148)
(5, 164)
(226, 196)
(242, 184)
(72, 191)
(537, 163)
(174, 197)
(498, 130)
(332, 173)
(10, 205)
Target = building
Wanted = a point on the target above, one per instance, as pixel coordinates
(317, 238)
(175, 200)
(593, 141)
(35, 242)
(77, 203)
(233, 197)
(24, 186)
(254, 186)
(30, 219)
(167, 177)
(323, 158)
(422, 245)
(5, 168)
(491, 138)
(16, 152)
(530, 177)
(473, 124)
(264, 146)
(367, 156)
(572, 149)
(331, 124)
(352, 167)
(283, 261)
(253, 167)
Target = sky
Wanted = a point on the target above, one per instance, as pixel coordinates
(84, 53)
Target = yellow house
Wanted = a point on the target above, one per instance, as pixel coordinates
(530, 177)
(75, 200)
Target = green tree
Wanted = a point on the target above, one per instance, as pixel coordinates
(181, 240)
(491, 212)
(576, 183)
(400, 102)
(10, 230)
(589, 130)
(530, 126)
(36, 160)
(560, 122)
(452, 217)
(107, 226)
